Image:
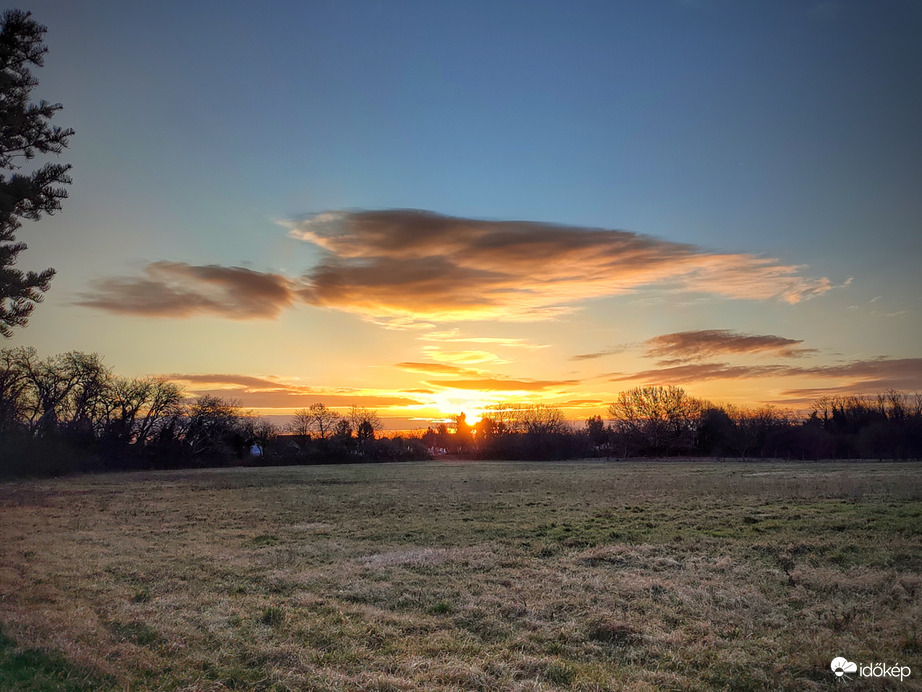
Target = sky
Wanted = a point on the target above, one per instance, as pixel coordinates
(426, 208)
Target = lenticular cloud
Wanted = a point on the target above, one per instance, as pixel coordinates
(422, 265)
(403, 267)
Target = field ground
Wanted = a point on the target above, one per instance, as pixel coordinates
(444, 575)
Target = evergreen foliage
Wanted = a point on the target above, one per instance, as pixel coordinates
(27, 191)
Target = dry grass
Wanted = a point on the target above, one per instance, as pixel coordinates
(492, 576)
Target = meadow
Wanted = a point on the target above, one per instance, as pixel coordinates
(600, 575)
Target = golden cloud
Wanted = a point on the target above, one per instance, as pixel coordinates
(421, 265)
(274, 393)
(472, 357)
(405, 269)
(498, 384)
(438, 369)
(454, 336)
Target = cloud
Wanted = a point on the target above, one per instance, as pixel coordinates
(875, 374)
(583, 403)
(246, 381)
(871, 375)
(438, 369)
(700, 372)
(472, 357)
(288, 399)
(710, 342)
(401, 264)
(262, 392)
(454, 336)
(497, 384)
(176, 289)
(404, 268)
(599, 354)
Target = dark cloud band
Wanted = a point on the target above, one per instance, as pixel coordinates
(711, 342)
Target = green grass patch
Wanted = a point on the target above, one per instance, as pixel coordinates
(35, 670)
(138, 633)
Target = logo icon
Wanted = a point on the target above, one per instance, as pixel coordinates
(840, 666)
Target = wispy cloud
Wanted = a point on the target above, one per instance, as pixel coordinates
(503, 385)
(176, 289)
(241, 381)
(438, 369)
(582, 403)
(701, 372)
(599, 354)
(454, 336)
(286, 399)
(469, 357)
(875, 374)
(711, 342)
(421, 265)
(275, 393)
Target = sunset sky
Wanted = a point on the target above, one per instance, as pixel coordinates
(427, 207)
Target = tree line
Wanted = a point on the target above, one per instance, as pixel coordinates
(666, 421)
(70, 413)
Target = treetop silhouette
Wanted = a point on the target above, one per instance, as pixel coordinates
(25, 131)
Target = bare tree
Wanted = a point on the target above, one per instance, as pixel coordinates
(301, 423)
(542, 419)
(212, 425)
(656, 417)
(261, 431)
(66, 388)
(138, 406)
(14, 387)
(316, 418)
(343, 429)
(363, 419)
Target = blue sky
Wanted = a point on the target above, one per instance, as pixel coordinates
(207, 131)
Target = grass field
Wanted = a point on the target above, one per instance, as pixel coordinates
(482, 576)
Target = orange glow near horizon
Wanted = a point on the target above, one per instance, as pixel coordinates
(417, 383)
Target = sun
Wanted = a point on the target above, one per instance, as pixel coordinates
(452, 402)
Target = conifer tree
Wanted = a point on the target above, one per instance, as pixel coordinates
(27, 190)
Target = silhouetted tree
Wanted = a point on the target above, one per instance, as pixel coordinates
(343, 429)
(655, 420)
(64, 391)
(13, 389)
(760, 431)
(301, 424)
(370, 418)
(717, 432)
(316, 418)
(138, 407)
(463, 433)
(214, 428)
(260, 432)
(25, 130)
(542, 419)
